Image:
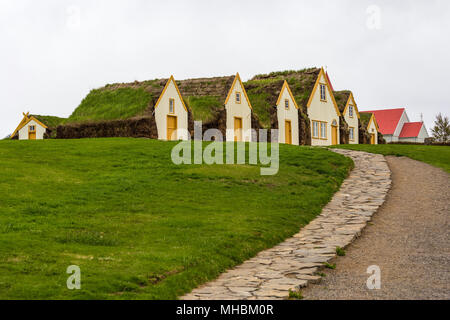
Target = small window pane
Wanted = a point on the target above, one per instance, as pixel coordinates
(171, 105)
(238, 97)
(286, 104)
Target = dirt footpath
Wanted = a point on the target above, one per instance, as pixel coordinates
(408, 239)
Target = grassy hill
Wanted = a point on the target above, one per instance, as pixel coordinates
(438, 156)
(138, 226)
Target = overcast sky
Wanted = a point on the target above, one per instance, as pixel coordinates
(389, 53)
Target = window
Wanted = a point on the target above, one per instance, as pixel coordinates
(352, 133)
(238, 97)
(171, 105)
(323, 130)
(32, 128)
(286, 104)
(315, 129)
(350, 111)
(323, 95)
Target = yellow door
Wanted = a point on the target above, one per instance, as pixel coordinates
(237, 129)
(31, 133)
(287, 132)
(334, 133)
(372, 138)
(171, 127)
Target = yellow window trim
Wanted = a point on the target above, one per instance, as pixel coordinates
(353, 133)
(29, 128)
(286, 86)
(286, 105)
(325, 86)
(322, 73)
(164, 90)
(240, 97)
(173, 103)
(238, 78)
(326, 131)
(319, 131)
(351, 100)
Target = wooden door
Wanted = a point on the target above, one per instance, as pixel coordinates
(31, 133)
(171, 127)
(237, 129)
(372, 138)
(334, 133)
(287, 132)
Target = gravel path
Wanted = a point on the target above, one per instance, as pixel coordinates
(408, 239)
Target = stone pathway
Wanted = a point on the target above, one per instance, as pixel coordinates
(294, 263)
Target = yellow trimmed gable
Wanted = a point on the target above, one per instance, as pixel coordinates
(238, 78)
(171, 79)
(322, 74)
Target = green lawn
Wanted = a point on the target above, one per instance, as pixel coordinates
(438, 156)
(139, 226)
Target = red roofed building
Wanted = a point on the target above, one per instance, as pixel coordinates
(413, 132)
(395, 126)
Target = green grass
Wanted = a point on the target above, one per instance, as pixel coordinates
(204, 108)
(438, 156)
(261, 107)
(340, 252)
(329, 265)
(104, 104)
(51, 121)
(138, 226)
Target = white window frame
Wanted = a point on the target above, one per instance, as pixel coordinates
(171, 105)
(351, 133)
(315, 128)
(323, 92)
(238, 97)
(323, 130)
(286, 104)
(350, 111)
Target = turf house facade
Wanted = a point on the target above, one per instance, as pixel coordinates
(349, 115)
(317, 106)
(29, 128)
(221, 103)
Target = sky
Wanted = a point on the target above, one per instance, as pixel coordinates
(389, 53)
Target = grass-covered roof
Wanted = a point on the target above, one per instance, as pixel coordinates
(341, 98)
(205, 96)
(50, 121)
(263, 95)
(301, 82)
(118, 101)
(365, 118)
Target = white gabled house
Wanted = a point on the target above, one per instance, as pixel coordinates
(368, 119)
(29, 128)
(287, 115)
(239, 112)
(349, 110)
(171, 114)
(323, 113)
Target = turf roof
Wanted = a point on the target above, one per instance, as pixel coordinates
(118, 101)
(301, 82)
(341, 98)
(365, 118)
(205, 96)
(50, 121)
(263, 95)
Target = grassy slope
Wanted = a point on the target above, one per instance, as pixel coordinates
(204, 108)
(101, 104)
(138, 225)
(438, 156)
